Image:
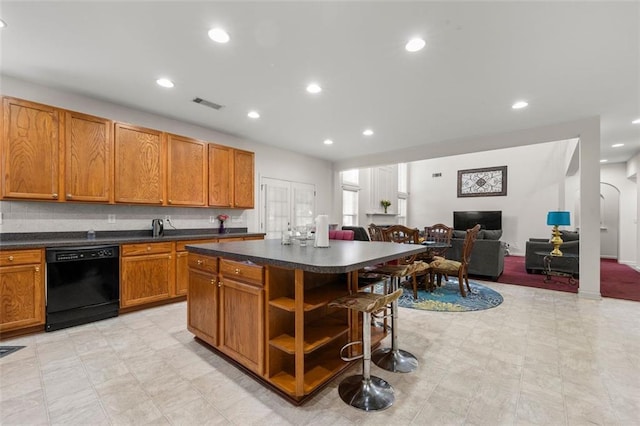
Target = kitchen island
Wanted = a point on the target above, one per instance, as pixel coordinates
(264, 306)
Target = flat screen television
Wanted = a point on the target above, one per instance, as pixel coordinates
(487, 219)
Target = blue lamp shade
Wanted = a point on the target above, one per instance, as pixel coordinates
(558, 218)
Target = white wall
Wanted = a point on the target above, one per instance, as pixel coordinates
(36, 216)
(534, 185)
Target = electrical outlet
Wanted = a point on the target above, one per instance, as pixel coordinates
(111, 218)
(212, 219)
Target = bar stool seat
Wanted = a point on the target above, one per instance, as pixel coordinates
(364, 391)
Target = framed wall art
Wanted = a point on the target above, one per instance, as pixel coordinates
(485, 182)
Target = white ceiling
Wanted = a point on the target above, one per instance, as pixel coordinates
(569, 60)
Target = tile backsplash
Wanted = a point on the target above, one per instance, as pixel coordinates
(21, 216)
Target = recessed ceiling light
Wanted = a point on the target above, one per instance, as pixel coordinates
(314, 88)
(2, 24)
(219, 35)
(367, 132)
(519, 105)
(617, 145)
(253, 114)
(603, 161)
(636, 121)
(414, 44)
(165, 82)
(328, 142)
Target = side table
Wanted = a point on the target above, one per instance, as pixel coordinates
(549, 260)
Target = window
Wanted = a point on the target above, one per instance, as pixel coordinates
(403, 195)
(350, 180)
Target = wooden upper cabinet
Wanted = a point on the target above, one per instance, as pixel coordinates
(30, 150)
(243, 185)
(220, 176)
(88, 158)
(187, 170)
(139, 165)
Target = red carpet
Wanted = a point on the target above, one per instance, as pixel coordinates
(616, 280)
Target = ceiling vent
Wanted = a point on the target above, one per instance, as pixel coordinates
(207, 103)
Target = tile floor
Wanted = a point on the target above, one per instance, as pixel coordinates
(542, 357)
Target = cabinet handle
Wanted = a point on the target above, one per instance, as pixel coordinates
(54, 196)
(148, 248)
(237, 271)
(199, 262)
(69, 196)
(170, 201)
(161, 200)
(219, 283)
(37, 269)
(11, 258)
(213, 280)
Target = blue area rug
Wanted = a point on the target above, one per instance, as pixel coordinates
(448, 299)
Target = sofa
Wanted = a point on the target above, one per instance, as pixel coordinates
(487, 254)
(534, 263)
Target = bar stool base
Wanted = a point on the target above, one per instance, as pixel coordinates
(368, 395)
(397, 361)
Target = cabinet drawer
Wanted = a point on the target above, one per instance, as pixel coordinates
(180, 245)
(20, 257)
(249, 272)
(145, 248)
(203, 263)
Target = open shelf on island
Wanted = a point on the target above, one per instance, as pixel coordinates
(313, 298)
(316, 335)
(316, 375)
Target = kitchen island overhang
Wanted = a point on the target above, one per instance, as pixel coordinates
(264, 306)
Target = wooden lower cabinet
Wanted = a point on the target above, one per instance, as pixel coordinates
(242, 313)
(21, 289)
(147, 273)
(202, 306)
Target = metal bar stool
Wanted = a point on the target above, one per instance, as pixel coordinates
(364, 391)
(395, 359)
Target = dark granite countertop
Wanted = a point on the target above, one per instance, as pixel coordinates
(27, 240)
(340, 257)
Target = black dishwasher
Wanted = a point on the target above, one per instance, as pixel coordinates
(83, 285)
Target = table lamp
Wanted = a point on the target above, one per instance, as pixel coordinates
(557, 219)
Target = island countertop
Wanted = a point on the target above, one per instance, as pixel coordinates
(341, 256)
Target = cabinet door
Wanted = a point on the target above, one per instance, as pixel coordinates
(140, 165)
(21, 297)
(243, 184)
(220, 176)
(187, 184)
(145, 279)
(202, 306)
(30, 150)
(88, 159)
(242, 323)
(182, 272)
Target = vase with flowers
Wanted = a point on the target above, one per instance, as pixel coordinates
(385, 204)
(222, 218)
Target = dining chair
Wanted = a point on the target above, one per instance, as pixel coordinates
(451, 267)
(410, 265)
(438, 233)
(375, 232)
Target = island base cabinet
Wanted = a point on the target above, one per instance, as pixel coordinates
(242, 323)
(202, 306)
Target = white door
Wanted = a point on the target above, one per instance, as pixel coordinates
(285, 204)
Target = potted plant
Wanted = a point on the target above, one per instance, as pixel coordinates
(385, 204)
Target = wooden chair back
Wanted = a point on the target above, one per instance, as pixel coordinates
(402, 234)
(469, 240)
(438, 233)
(375, 233)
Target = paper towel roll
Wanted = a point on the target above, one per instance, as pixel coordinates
(322, 231)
